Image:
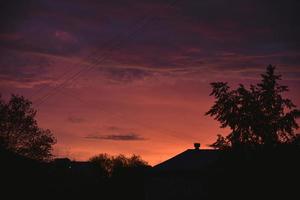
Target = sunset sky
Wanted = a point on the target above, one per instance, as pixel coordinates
(132, 76)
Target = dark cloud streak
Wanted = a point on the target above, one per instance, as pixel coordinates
(117, 137)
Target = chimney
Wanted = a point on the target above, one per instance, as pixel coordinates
(197, 146)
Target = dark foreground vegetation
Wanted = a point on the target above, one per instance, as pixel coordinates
(24, 177)
(236, 175)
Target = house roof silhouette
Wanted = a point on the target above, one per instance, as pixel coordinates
(189, 160)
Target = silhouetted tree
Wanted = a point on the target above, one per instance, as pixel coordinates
(19, 131)
(125, 175)
(258, 116)
(221, 143)
(104, 164)
(111, 165)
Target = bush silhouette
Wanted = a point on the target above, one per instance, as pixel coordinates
(116, 165)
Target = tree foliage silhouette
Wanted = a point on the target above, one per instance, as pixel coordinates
(258, 116)
(19, 131)
(112, 165)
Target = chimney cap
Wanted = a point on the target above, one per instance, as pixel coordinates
(197, 145)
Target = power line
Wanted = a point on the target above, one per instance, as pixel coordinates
(100, 60)
(86, 59)
(75, 76)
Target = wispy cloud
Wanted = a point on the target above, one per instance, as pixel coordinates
(118, 137)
